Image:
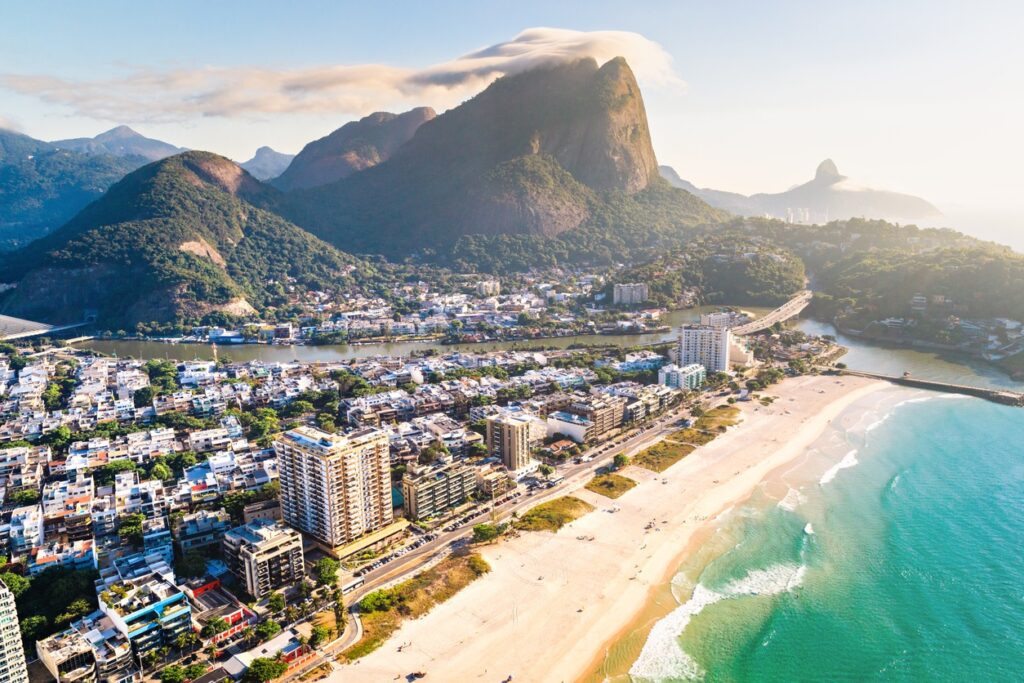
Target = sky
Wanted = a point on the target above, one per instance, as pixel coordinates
(923, 97)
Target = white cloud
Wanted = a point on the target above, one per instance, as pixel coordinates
(174, 95)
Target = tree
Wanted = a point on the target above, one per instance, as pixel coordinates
(326, 571)
(319, 635)
(620, 460)
(161, 472)
(268, 629)
(25, 497)
(172, 674)
(276, 602)
(484, 532)
(194, 671)
(58, 438)
(214, 627)
(264, 669)
(130, 528)
(34, 627)
(16, 583)
(546, 470)
(143, 397)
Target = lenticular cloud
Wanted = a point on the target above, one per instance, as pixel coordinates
(172, 95)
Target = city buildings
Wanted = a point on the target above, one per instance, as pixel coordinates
(264, 555)
(705, 345)
(629, 294)
(92, 649)
(433, 490)
(12, 656)
(688, 377)
(335, 487)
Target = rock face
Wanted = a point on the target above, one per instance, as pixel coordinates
(267, 163)
(121, 142)
(526, 156)
(828, 196)
(170, 243)
(356, 146)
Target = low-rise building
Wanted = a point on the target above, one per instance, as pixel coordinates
(150, 611)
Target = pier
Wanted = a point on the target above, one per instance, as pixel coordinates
(1005, 397)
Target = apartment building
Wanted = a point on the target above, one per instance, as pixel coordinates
(335, 487)
(12, 656)
(431, 491)
(510, 436)
(705, 345)
(150, 611)
(629, 294)
(201, 529)
(688, 377)
(264, 555)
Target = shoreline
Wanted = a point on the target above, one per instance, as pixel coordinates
(554, 604)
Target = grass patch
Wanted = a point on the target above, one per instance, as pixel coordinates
(663, 455)
(319, 672)
(717, 419)
(693, 436)
(611, 484)
(553, 515)
(383, 611)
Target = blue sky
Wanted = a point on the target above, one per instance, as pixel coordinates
(921, 97)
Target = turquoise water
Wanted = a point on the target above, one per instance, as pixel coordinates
(895, 555)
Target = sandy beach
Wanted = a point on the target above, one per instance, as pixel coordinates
(553, 603)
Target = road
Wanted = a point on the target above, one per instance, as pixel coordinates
(783, 312)
(575, 476)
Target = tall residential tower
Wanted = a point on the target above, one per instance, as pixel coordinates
(335, 487)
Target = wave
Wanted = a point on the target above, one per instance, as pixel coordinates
(809, 529)
(662, 657)
(792, 500)
(849, 460)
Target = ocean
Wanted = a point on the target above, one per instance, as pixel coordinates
(891, 552)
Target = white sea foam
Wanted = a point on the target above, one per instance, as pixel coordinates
(809, 529)
(662, 657)
(792, 500)
(849, 460)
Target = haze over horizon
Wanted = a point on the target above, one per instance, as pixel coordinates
(918, 98)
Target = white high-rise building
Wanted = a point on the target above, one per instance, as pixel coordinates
(12, 656)
(705, 345)
(629, 293)
(335, 487)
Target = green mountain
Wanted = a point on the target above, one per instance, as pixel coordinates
(356, 146)
(536, 154)
(42, 187)
(173, 242)
(121, 141)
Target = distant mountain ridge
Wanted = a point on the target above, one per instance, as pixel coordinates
(121, 141)
(828, 196)
(529, 155)
(174, 241)
(356, 146)
(43, 186)
(267, 163)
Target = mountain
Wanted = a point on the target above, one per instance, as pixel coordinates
(173, 242)
(355, 146)
(267, 163)
(828, 196)
(121, 142)
(42, 187)
(538, 153)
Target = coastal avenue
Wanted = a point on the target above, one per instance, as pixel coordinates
(406, 566)
(783, 312)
